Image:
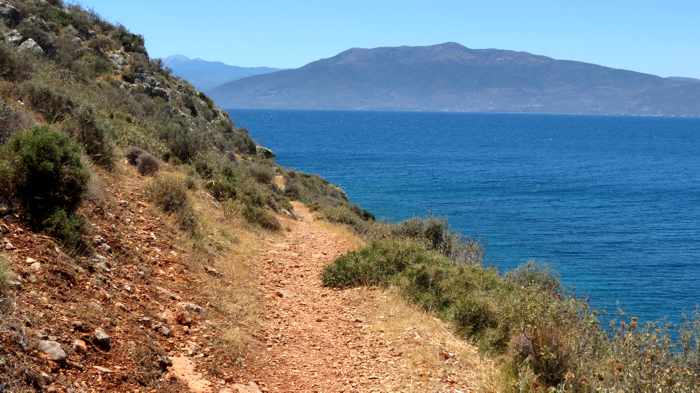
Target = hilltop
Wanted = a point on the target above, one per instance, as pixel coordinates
(206, 75)
(451, 77)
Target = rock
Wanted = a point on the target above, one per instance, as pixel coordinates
(98, 263)
(164, 362)
(249, 388)
(213, 272)
(191, 307)
(80, 326)
(102, 339)
(9, 13)
(264, 152)
(184, 318)
(35, 267)
(31, 46)
(79, 346)
(13, 37)
(164, 330)
(118, 59)
(102, 369)
(8, 246)
(53, 350)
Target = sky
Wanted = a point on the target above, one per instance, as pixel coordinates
(654, 36)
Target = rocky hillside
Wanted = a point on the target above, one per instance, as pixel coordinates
(129, 204)
(451, 77)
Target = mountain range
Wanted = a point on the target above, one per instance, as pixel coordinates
(206, 75)
(451, 77)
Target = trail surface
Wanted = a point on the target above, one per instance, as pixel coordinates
(316, 339)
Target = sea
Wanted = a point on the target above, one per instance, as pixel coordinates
(611, 204)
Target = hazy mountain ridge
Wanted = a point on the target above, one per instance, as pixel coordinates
(206, 75)
(451, 77)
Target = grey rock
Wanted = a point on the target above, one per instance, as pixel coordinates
(13, 37)
(102, 339)
(164, 330)
(265, 152)
(31, 46)
(98, 263)
(118, 59)
(53, 350)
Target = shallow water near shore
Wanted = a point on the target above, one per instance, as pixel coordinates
(611, 203)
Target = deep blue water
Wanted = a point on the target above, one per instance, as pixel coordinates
(611, 203)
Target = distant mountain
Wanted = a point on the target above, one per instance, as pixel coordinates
(206, 75)
(451, 77)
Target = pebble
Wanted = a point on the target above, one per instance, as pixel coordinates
(102, 339)
(79, 346)
(53, 350)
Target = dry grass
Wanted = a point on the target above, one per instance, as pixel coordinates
(429, 347)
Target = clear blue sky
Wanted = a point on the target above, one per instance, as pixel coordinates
(655, 36)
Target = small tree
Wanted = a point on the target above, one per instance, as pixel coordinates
(48, 174)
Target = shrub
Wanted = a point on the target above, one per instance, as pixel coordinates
(261, 217)
(94, 135)
(53, 105)
(536, 276)
(375, 265)
(48, 173)
(473, 315)
(261, 173)
(133, 154)
(67, 228)
(12, 121)
(169, 192)
(14, 66)
(4, 274)
(147, 165)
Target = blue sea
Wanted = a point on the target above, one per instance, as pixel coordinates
(610, 203)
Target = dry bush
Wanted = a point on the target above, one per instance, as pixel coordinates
(148, 165)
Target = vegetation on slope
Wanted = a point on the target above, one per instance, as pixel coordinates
(79, 97)
(547, 339)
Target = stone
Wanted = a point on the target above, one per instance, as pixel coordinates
(13, 37)
(191, 307)
(264, 152)
(52, 350)
(35, 267)
(102, 369)
(164, 362)
(98, 263)
(184, 318)
(118, 59)
(102, 339)
(8, 246)
(79, 346)
(31, 46)
(164, 330)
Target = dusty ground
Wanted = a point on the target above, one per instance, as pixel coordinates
(244, 313)
(317, 339)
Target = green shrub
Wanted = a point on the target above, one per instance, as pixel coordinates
(52, 104)
(169, 192)
(536, 276)
(14, 66)
(262, 173)
(375, 265)
(94, 135)
(4, 274)
(48, 173)
(67, 228)
(12, 121)
(261, 217)
(472, 315)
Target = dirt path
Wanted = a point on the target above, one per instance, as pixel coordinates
(315, 339)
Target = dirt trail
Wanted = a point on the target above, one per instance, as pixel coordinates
(316, 339)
